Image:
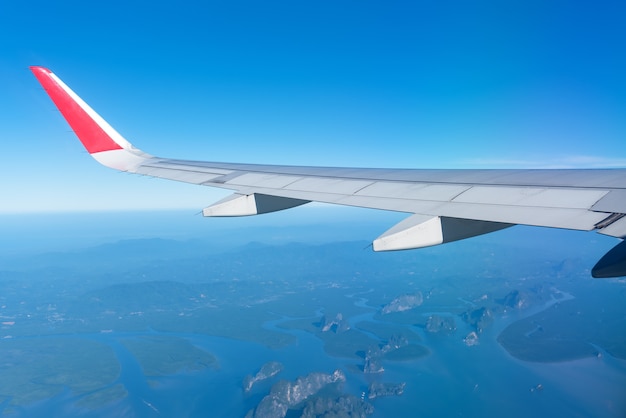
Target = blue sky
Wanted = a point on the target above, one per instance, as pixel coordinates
(353, 83)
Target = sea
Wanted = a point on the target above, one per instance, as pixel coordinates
(454, 380)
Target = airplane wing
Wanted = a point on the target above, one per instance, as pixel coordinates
(443, 205)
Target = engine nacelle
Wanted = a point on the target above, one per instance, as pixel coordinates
(613, 264)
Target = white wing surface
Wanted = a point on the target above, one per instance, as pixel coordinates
(443, 205)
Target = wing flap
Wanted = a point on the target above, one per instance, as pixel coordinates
(326, 185)
(415, 191)
(531, 196)
(614, 201)
(579, 219)
(616, 228)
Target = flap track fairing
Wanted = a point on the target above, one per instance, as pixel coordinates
(250, 204)
(419, 231)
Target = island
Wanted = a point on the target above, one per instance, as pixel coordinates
(268, 370)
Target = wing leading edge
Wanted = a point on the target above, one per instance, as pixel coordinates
(444, 205)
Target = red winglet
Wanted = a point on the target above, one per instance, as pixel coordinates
(90, 133)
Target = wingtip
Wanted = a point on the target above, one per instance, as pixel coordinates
(39, 69)
(95, 134)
